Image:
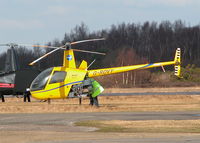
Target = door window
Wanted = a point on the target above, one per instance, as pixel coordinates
(58, 76)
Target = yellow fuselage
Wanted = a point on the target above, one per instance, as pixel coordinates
(60, 89)
(55, 83)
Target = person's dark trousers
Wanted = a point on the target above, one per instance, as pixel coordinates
(95, 101)
(91, 100)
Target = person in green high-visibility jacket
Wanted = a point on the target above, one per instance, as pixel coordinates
(96, 90)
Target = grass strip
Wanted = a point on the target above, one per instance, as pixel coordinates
(148, 126)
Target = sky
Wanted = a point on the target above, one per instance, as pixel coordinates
(42, 21)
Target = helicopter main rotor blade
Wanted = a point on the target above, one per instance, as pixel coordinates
(35, 46)
(83, 41)
(32, 63)
(3, 44)
(9, 44)
(89, 52)
(64, 47)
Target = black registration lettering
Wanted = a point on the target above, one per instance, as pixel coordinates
(103, 72)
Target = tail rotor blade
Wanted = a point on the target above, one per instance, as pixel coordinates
(98, 53)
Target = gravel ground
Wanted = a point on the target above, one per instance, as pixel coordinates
(59, 128)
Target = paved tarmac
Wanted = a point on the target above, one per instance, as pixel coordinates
(59, 128)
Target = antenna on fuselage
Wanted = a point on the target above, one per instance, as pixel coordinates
(91, 63)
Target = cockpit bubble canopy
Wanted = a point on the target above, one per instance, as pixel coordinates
(40, 81)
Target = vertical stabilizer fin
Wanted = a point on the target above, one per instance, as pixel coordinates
(11, 63)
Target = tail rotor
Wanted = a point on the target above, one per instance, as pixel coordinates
(177, 61)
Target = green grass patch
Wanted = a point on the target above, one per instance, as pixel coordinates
(178, 126)
(101, 127)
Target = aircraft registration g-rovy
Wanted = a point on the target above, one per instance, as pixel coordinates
(69, 81)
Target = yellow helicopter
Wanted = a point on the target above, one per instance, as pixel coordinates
(71, 81)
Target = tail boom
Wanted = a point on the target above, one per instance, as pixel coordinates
(108, 71)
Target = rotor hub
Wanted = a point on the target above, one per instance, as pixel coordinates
(67, 46)
(12, 45)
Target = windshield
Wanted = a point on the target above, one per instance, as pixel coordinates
(40, 81)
